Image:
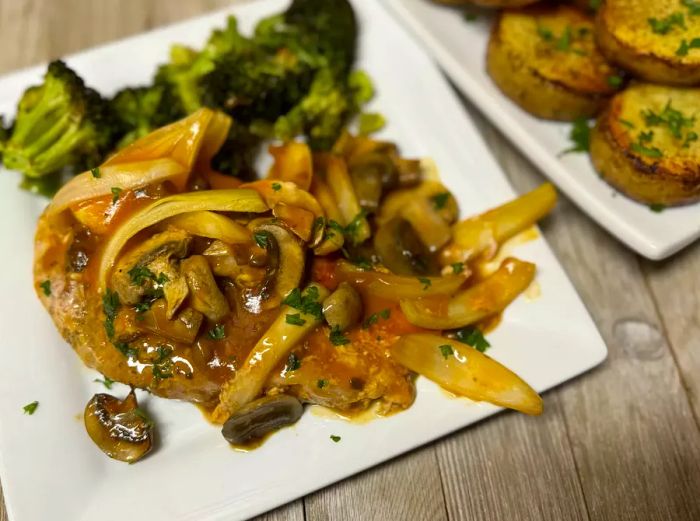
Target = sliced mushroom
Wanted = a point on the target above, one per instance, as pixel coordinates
(343, 308)
(182, 328)
(285, 265)
(370, 173)
(150, 267)
(222, 260)
(402, 251)
(118, 427)
(205, 295)
(260, 417)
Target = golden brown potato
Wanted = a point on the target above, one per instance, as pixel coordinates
(545, 59)
(646, 144)
(656, 41)
(488, 3)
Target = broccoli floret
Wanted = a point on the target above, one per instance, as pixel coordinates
(187, 66)
(322, 34)
(143, 109)
(59, 123)
(253, 85)
(323, 112)
(237, 155)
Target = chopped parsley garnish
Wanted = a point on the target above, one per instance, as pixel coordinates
(686, 45)
(144, 416)
(595, 4)
(30, 408)
(116, 192)
(641, 147)
(294, 319)
(664, 25)
(657, 207)
(446, 350)
(669, 117)
(140, 274)
(142, 307)
(335, 226)
(469, 16)
(440, 200)
(353, 226)
(474, 337)
(580, 136)
(564, 41)
(293, 363)
(261, 239)
(370, 122)
(337, 337)
(457, 267)
(335, 438)
(306, 302)
(106, 381)
(626, 123)
(163, 365)
(276, 187)
(96, 172)
(110, 306)
(425, 281)
(545, 33)
(321, 383)
(615, 81)
(46, 287)
(218, 332)
(374, 318)
(126, 349)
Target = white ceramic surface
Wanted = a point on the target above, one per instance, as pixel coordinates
(459, 46)
(49, 467)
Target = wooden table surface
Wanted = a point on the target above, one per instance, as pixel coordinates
(619, 443)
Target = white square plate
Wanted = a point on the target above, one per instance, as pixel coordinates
(459, 46)
(51, 470)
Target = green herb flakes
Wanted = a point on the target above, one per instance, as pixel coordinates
(293, 363)
(306, 302)
(457, 267)
(106, 381)
(580, 136)
(446, 350)
(337, 337)
(657, 207)
(474, 337)
(615, 81)
(30, 408)
(294, 319)
(116, 192)
(276, 187)
(425, 281)
(218, 332)
(664, 25)
(335, 438)
(46, 287)
(261, 239)
(686, 46)
(96, 172)
(321, 383)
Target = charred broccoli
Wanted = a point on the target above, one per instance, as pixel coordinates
(140, 110)
(59, 123)
(187, 66)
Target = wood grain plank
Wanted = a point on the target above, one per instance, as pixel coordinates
(513, 467)
(293, 511)
(405, 488)
(634, 438)
(675, 285)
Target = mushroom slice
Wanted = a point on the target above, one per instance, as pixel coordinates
(205, 295)
(401, 251)
(260, 417)
(183, 327)
(118, 427)
(222, 260)
(286, 263)
(134, 271)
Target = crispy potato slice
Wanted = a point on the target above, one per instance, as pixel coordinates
(647, 38)
(545, 59)
(646, 144)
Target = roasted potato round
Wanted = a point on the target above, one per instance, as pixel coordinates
(656, 41)
(489, 3)
(545, 59)
(646, 144)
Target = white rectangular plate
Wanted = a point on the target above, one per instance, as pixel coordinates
(49, 467)
(459, 46)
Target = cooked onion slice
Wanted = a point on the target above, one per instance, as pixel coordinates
(293, 163)
(235, 200)
(465, 371)
(127, 176)
(270, 350)
(394, 287)
(477, 234)
(211, 225)
(484, 299)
